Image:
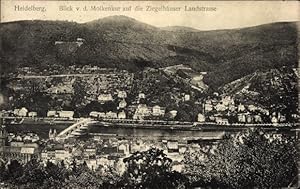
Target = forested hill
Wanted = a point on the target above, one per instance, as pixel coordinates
(126, 43)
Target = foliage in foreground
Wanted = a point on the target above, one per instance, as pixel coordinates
(151, 169)
(249, 160)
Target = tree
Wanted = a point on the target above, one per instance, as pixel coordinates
(270, 163)
(109, 176)
(248, 160)
(151, 169)
(56, 172)
(81, 168)
(33, 174)
(83, 180)
(2, 171)
(82, 177)
(14, 170)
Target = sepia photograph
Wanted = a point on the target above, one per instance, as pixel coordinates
(149, 94)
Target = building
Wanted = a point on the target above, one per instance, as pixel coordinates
(231, 107)
(111, 115)
(122, 94)
(92, 164)
(187, 97)
(65, 114)
(197, 78)
(221, 121)
(48, 155)
(182, 149)
(122, 104)
(124, 148)
(21, 112)
(61, 89)
(32, 114)
(18, 150)
(172, 146)
(94, 114)
(51, 113)
(281, 118)
(105, 98)
(227, 100)
(201, 118)
(257, 119)
(30, 137)
(55, 154)
(241, 118)
(173, 113)
(252, 108)
(52, 134)
(141, 112)
(122, 115)
(4, 113)
(158, 111)
(89, 152)
(208, 106)
(3, 136)
(220, 107)
(101, 115)
(80, 41)
(249, 118)
(142, 96)
(62, 154)
(241, 108)
(58, 42)
(274, 120)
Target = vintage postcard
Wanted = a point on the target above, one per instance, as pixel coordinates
(149, 94)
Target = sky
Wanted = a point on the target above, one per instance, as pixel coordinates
(225, 15)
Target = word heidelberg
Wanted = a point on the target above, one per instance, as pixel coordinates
(29, 8)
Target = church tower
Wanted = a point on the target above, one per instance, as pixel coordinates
(3, 136)
(52, 134)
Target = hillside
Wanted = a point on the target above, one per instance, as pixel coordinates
(126, 43)
(179, 29)
(274, 88)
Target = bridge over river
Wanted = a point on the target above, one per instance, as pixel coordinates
(162, 129)
(127, 128)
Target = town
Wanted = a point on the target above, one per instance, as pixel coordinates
(117, 94)
(98, 98)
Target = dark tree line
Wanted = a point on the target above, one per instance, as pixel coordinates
(247, 160)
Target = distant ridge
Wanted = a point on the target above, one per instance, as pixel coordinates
(125, 43)
(179, 28)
